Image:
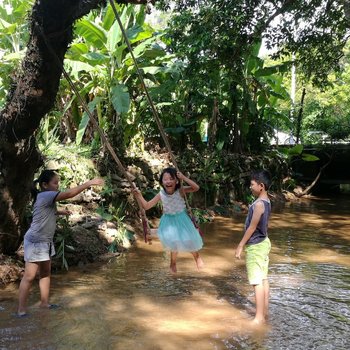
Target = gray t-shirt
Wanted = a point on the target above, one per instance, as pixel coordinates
(43, 224)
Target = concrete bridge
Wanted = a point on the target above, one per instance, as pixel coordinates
(337, 172)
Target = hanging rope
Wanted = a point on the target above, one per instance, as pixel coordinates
(150, 101)
(145, 224)
(142, 80)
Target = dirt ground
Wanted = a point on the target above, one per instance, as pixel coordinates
(89, 241)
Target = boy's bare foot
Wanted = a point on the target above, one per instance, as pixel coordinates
(173, 268)
(258, 322)
(199, 263)
(20, 314)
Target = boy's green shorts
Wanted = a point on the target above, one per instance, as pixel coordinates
(257, 261)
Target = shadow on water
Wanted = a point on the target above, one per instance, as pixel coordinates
(135, 303)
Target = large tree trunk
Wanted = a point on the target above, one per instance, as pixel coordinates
(32, 95)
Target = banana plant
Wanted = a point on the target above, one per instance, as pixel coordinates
(100, 63)
(263, 88)
(13, 37)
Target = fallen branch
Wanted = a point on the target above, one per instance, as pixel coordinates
(308, 189)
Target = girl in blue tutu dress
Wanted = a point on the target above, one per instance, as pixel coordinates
(176, 230)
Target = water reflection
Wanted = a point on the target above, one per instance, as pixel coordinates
(134, 303)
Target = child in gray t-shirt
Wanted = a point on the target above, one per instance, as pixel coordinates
(38, 240)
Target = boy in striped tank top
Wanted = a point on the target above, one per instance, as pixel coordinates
(257, 244)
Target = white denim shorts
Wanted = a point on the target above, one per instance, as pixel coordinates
(34, 252)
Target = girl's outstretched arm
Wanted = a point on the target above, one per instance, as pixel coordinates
(63, 212)
(146, 205)
(193, 187)
(72, 192)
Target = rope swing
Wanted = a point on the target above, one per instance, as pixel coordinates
(150, 101)
(105, 142)
(104, 139)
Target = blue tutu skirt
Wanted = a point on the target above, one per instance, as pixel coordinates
(178, 234)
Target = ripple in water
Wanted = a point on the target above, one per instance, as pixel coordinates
(310, 307)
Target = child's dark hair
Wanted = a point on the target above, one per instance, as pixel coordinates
(172, 172)
(45, 177)
(262, 177)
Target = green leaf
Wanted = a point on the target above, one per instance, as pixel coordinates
(178, 130)
(120, 98)
(95, 58)
(140, 15)
(77, 67)
(220, 145)
(153, 70)
(15, 56)
(104, 214)
(133, 32)
(92, 32)
(109, 17)
(139, 49)
(263, 72)
(7, 28)
(277, 95)
(296, 150)
(85, 120)
(76, 50)
(144, 33)
(118, 53)
(114, 37)
(256, 48)
(262, 100)
(309, 157)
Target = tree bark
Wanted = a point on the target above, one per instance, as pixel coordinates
(213, 125)
(300, 115)
(309, 188)
(32, 95)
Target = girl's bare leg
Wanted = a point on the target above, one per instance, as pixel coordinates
(198, 259)
(173, 256)
(30, 271)
(44, 282)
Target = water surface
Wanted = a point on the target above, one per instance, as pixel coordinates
(135, 303)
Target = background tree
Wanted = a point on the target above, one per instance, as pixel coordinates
(215, 40)
(217, 77)
(31, 96)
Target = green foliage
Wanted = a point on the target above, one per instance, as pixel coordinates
(73, 164)
(123, 235)
(297, 151)
(116, 214)
(85, 120)
(327, 120)
(63, 240)
(218, 42)
(222, 66)
(13, 37)
(101, 65)
(104, 213)
(249, 198)
(201, 215)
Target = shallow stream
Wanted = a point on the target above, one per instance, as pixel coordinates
(133, 302)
